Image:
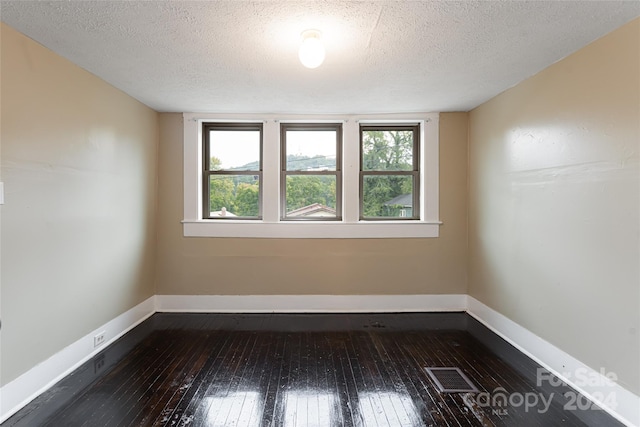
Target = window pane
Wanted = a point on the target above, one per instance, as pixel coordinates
(234, 195)
(234, 150)
(311, 196)
(387, 196)
(311, 150)
(385, 150)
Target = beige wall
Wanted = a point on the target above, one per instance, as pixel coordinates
(554, 204)
(78, 228)
(210, 266)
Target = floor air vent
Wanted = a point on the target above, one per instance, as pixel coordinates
(451, 380)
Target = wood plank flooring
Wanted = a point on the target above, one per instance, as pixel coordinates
(299, 370)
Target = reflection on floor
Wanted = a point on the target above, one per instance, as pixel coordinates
(305, 370)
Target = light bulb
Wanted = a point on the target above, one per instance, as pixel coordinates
(311, 51)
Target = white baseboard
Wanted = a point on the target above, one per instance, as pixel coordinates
(622, 404)
(309, 303)
(19, 392)
(25, 388)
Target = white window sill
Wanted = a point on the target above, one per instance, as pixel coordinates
(308, 230)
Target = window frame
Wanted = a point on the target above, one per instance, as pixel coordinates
(414, 173)
(284, 172)
(271, 226)
(206, 173)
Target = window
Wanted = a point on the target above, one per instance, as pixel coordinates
(311, 178)
(297, 176)
(389, 172)
(232, 170)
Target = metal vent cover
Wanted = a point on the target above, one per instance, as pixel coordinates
(451, 380)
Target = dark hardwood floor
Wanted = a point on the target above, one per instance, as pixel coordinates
(304, 370)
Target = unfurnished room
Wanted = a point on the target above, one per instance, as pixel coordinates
(319, 213)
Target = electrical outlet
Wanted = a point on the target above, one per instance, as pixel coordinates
(98, 339)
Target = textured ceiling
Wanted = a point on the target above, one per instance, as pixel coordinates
(382, 56)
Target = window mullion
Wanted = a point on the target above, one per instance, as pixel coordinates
(270, 172)
(350, 171)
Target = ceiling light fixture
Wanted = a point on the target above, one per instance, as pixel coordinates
(311, 51)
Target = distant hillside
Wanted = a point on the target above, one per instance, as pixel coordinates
(300, 163)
